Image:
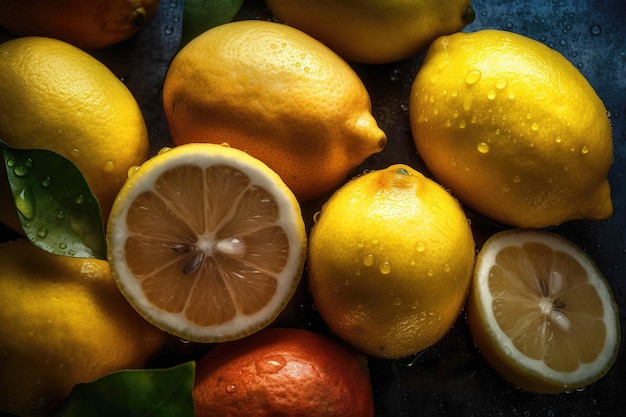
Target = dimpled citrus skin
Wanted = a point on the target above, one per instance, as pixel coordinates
(283, 372)
(91, 24)
(377, 31)
(55, 96)
(390, 262)
(64, 322)
(278, 94)
(513, 129)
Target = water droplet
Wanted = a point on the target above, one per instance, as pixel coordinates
(491, 94)
(511, 94)
(506, 188)
(534, 126)
(507, 350)
(168, 30)
(43, 232)
(584, 150)
(517, 178)
(231, 388)
(80, 199)
(368, 260)
(501, 83)
(132, 170)
(397, 302)
(271, 364)
(21, 170)
(595, 30)
(108, 167)
(558, 139)
(11, 163)
(360, 243)
(482, 147)
(452, 161)
(25, 203)
(473, 76)
(62, 246)
(60, 215)
(46, 182)
(419, 246)
(384, 267)
(446, 268)
(430, 272)
(462, 124)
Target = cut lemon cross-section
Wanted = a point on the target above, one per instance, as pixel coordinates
(541, 313)
(206, 242)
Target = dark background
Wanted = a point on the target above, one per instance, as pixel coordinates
(451, 378)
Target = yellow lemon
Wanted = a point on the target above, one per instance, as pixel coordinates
(89, 24)
(64, 321)
(206, 242)
(541, 313)
(513, 129)
(278, 94)
(55, 96)
(390, 262)
(375, 31)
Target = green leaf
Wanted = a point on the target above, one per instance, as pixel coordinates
(147, 392)
(58, 211)
(202, 15)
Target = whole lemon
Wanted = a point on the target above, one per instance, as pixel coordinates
(92, 24)
(390, 262)
(375, 31)
(63, 322)
(513, 129)
(283, 372)
(55, 96)
(278, 94)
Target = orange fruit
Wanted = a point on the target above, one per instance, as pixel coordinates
(390, 261)
(283, 372)
(541, 313)
(206, 242)
(89, 24)
(278, 94)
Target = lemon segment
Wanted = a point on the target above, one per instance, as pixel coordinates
(206, 242)
(541, 313)
(513, 129)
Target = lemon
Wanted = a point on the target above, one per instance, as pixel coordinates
(278, 94)
(92, 24)
(63, 322)
(55, 96)
(206, 242)
(375, 31)
(541, 313)
(390, 261)
(513, 129)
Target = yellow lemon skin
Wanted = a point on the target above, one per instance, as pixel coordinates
(390, 262)
(55, 96)
(278, 94)
(92, 24)
(64, 322)
(375, 31)
(513, 129)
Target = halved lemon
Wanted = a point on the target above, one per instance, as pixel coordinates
(206, 242)
(541, 313)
